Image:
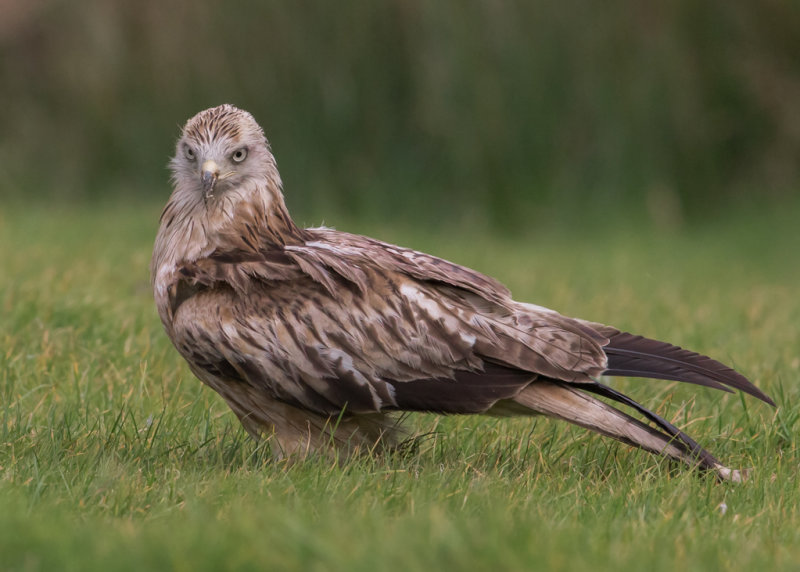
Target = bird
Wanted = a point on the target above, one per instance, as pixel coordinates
(320, 340)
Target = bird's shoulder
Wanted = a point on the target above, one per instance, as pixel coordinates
(354, 256)
(335, 261)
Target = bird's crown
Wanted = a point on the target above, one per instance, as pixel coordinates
(224, 120)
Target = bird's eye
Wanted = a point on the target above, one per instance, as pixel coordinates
(189, 152)
(239, 155)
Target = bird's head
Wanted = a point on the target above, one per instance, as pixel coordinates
(222, 148)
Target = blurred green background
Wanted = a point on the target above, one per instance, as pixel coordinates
(509, 114)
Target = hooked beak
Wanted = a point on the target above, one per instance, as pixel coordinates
(209, 173)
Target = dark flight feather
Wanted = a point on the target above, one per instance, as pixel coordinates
(466, 392)
(636, 356)
(692, 447)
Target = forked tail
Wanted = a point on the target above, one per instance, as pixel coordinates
(570, 402)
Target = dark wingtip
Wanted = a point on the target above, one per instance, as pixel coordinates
(764, 397)
(636, 356)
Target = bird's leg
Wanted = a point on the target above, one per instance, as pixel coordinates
(295, 434)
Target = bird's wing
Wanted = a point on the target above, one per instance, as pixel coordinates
(345, 321)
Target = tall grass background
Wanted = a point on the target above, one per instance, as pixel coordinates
(506, 112)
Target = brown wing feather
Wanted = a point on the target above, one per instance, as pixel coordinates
(465, 392)
(335, 247)
(336, 325)
(387, 315)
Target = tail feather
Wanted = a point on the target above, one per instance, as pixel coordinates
(603, 390)
(568, 402)
(636, 356)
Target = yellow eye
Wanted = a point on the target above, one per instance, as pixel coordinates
(239, 155)
(189, 152)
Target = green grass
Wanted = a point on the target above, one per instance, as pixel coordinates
(114, 457)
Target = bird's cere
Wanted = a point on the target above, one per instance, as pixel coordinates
(209, 173)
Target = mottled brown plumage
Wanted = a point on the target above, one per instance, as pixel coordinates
(314, 337)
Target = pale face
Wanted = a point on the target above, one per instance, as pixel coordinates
(219, 149)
